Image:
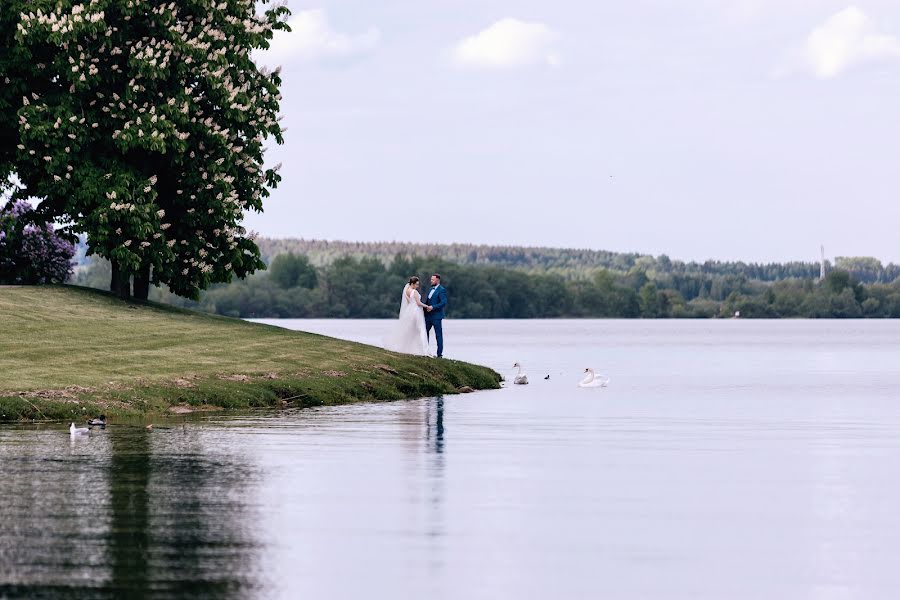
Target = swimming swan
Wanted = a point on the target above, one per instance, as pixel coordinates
(73, 431)
(593, 380)
(520, 378)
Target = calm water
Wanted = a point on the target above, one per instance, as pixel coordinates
(727, 459)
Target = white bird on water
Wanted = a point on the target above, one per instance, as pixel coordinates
(593, 380)
(73, 431)
(520, 378)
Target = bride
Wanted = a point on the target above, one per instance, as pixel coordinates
(408, 333)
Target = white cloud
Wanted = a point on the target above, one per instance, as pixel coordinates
(847, 39)
(508, 43)
(313, 40)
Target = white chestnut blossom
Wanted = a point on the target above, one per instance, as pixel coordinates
(171, 121)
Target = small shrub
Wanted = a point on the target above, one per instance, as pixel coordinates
(30, 252)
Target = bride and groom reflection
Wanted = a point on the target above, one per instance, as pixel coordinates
(431, 442)
(438, 432)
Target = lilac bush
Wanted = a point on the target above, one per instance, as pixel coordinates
(31, 253)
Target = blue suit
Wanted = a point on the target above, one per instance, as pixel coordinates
(433, 318)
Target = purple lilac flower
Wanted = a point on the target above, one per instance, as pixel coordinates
(31, 253)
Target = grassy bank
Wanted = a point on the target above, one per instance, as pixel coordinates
(68, 352)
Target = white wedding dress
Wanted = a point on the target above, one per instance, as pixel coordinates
(407, 335)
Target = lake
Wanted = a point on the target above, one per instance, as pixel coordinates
(726, 459)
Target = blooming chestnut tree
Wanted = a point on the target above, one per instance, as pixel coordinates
(14, 67)
(143, 123)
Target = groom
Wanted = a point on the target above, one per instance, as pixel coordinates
(434, 312)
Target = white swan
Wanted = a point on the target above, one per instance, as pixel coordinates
(520, 378)
(73, 431)
(593, 380)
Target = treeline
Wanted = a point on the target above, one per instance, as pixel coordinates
(572, 263)
(368, 287)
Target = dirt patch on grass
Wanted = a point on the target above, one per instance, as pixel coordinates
(117, 404)
(270, 376)
(69, 393)
(234, 377)
(181, 382)
(387, 369)
(334, 374)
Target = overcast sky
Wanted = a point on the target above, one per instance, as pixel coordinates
(730, 129)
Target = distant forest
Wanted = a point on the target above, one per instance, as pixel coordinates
(320, 279)
(571, 263)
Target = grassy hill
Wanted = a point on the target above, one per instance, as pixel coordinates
(68, 353)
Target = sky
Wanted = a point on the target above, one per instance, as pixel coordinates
(752, 130)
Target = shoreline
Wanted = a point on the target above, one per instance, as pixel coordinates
(70, 353)
(228, 393)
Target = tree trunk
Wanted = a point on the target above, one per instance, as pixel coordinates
(142, 283)
(120, 284)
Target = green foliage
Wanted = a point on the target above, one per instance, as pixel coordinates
(352, 287)
(867, 269)
(143, 125)
(293, 270)
(580, 263)
(837, 281)
(15, 64)
(650, 301)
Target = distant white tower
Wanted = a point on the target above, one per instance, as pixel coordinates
(822, 264)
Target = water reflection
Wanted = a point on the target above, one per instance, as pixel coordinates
(437, 405)
(44, 549)
(718, 465)
(128, 539)
(436, 469)
(123, 513)
(203, 538)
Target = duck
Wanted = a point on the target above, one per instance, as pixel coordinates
(593, 380)
(97, 422)
(75, 431)
(520, 378)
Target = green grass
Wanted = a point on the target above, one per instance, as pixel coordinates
(67, 352)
